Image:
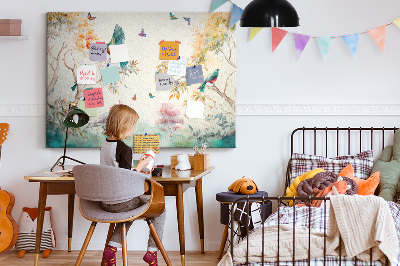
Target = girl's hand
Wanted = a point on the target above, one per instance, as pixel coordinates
(143, 162)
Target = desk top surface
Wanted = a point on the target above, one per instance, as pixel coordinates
(169, 175)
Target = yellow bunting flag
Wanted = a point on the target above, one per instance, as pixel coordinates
(378, 35)
(397, 22)
(253, 32)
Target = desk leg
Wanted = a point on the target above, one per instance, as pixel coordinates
(40, 219)
(181, 225)
(199, 201)
(71, 201)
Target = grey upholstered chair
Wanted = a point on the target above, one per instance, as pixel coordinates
(97, 183)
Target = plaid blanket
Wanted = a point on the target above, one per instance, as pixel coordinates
(301, 218)
(302, 163)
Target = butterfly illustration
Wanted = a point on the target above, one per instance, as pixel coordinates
(187, 19)
(73, 88)
(142, 34)
(151, 95)
(172, 17)
(134, 97)
(89, 16)
(51, 91)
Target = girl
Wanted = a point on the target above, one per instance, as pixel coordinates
(121, 122)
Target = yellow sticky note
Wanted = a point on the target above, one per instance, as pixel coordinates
(169, 50)
(143, 143)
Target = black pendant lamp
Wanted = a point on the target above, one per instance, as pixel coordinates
(269, 13)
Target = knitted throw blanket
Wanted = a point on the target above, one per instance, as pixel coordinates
(364, 222)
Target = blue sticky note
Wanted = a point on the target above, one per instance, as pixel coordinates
(98, 52)
(194, 75)
(110, 75)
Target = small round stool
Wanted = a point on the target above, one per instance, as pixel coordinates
(226, 199)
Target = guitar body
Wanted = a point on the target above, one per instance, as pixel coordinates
(8, 226)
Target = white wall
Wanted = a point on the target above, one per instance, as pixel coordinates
(263, 79)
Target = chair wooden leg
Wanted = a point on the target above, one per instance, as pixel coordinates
(110, 232)
(124, 248)
(223, 242)
(160, 246)
(86, 243)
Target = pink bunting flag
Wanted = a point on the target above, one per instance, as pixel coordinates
(300, 42)
(378, 35)
(277, 36)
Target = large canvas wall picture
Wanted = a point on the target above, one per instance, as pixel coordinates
(177, 70)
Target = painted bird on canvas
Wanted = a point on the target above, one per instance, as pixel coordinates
(151, 95)
(134, 97)
(209, 79)
(172, 17)
(187, 19)
(89, 16)
(142, 34)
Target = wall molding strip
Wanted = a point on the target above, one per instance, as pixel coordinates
(245, 109)
(22, 109)
(334, 110)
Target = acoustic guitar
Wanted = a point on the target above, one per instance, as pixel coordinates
(3, 135)
(8, 226)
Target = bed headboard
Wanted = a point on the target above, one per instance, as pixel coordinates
(331, 142)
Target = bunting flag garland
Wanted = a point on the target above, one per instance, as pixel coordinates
(235, 15)
(397, 22)
(300, 42)
(217, 3)
(277, 36)
(254, 32)
(352, 42)
(324, 44)
(378, 35)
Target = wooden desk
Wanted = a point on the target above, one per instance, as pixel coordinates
(175, 183)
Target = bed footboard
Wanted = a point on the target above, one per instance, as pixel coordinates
(307, 202)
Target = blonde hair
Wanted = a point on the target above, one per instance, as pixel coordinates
(120, 120)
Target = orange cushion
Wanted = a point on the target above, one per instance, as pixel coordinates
(365, 187)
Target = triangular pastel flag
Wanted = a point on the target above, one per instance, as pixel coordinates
(379, 34)
(300, 42)
(277, 36)
(352, 42)
(324, 44)
(217, 3)
(397, 22)
(235, 15)
(253, 32)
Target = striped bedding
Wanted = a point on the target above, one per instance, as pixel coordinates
(317, 223)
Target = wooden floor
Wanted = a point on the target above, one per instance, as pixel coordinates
(93, 258)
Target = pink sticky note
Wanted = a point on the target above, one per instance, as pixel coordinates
(93, 98)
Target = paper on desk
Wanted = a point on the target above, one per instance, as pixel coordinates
(119, 53)
(110, 75)
(86, 74)
(195, 109)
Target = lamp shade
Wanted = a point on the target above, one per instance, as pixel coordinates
(76, 118)
(269, 13)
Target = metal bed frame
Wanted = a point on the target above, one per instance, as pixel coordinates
(316, 134)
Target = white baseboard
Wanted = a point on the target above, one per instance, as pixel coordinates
(169, 246)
